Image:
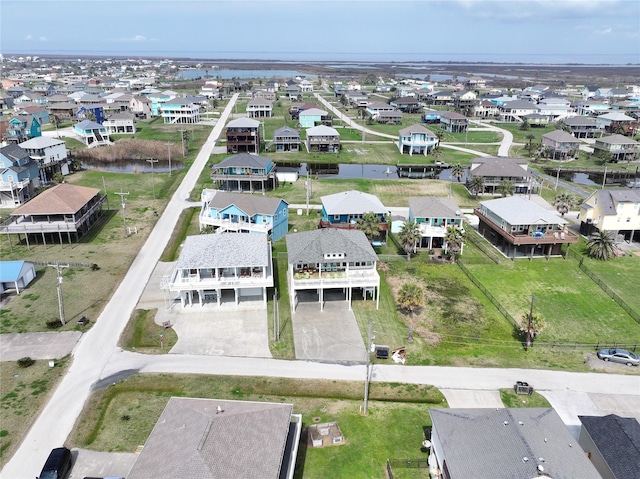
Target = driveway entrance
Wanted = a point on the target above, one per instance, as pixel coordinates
(331, 335)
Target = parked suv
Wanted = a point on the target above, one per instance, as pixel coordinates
(58, 464)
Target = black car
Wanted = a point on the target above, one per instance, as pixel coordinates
(58, 464)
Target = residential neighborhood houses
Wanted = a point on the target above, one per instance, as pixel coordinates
(253, 254)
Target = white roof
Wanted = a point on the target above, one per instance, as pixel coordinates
(40, 142)
(517, 210)
(322, 130)
(352, 203)
(313, 112)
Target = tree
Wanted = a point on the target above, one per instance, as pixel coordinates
(531, 325)
(55, 119)
(369, 224)
(475, 185)
(439, 134)
(530, 146)
(601, 245)
(564, 202)
(410, 297)
(409, 236)
(437, 153)
(454, 240)
(524, 126)
(457, 171)
(506, 188)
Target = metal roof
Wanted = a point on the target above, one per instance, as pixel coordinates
(321, 130)
(499, 166)
(40, 142)
(352, 202)
(250, 204)
(246, 160)
(434, 207)
(243, 123)
(517, 210)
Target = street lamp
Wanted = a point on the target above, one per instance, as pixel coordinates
(153, 181)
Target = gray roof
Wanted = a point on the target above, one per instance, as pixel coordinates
(561, 136)
(616, 116)
(352, 202)
(286, 130)
(517, 210)
(250, 204)
(121, 115)
(243, 123)
(608, 199)
(260, 101)
(228, 250)
(509, 443)
(452, 115)
(246, 160)
(14, 152)
(618, 440)
(88, 125)
(311, 246)
(499, 166)
(434, 207)
(520, 105)
(192, 439)
(313, 112)
(617, 139)
(579, 121)
(321, 130)
(416, 129)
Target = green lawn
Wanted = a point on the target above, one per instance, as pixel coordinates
(393, 428)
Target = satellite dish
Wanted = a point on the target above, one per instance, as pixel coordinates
(426, 444)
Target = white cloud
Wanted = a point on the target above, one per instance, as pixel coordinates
(43, 39)
(604, 31)
(32, 38)
(134, 39)
(29, 37)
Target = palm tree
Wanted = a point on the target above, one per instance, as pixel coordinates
(564, 202)
(506, 188)
(457, 171)
(601, 245)
(531, 325)
(530, 137)
(437, 153)
(369, 224)
(409, 236)
(454, 240)
(410, 298)
(55, 119)
(475, 184)
(440, 135)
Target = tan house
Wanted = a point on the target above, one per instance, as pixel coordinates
(616, 211)
(620, 147)
(560, 145)
(259, 108)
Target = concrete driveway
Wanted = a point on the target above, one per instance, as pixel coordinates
(210, 330)
(88, 463)
(469, 398)
(331, 335)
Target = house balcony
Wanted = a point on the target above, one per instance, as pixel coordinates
(241, 278)
(351, 225)
(432, 231)
(227, 224)
(532, 236)
(341, 278)
(14, 185)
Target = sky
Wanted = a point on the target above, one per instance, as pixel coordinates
(522, 31)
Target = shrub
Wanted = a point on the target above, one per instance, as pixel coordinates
(54, 324)
(25, 362)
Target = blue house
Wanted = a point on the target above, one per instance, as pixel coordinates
(433, 215)
(92, 133)
(343, 210)
(312, 117)
(242, 213)
(22, 128)
(19, 176)
(16, 275)
(245, 172)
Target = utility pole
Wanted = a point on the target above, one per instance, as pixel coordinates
(368, 377)
(153, 180)
(124, 216)
(604, 178)
(557, 179)
(182, 137)
(307, 188)
(58, 268)
(169, 145)
(529, 321)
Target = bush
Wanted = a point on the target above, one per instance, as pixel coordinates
(54, 324)
(26, 362)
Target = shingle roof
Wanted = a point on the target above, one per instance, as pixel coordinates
(579, 121)
(452, 115)
(313, 112)
(228, 250)
(243, 123)
(617, 139)
(416, 129)
(88, 125)
(618, 440)
(286, 130)
(561, 136)
(250, 204)
(520, 105)
(616, 116)
(517, 210)
(499, 166)
(193, 440)
(61, 199)
(433, 207)
(352, 203)
(509, 443)
(245, 160)
(322, 130)
(14, 152)
(311, 246)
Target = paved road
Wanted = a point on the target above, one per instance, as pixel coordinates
(95, 349)
(507, 137)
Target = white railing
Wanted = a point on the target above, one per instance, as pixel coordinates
(195, 282)
(12, 185)
(234, 225)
